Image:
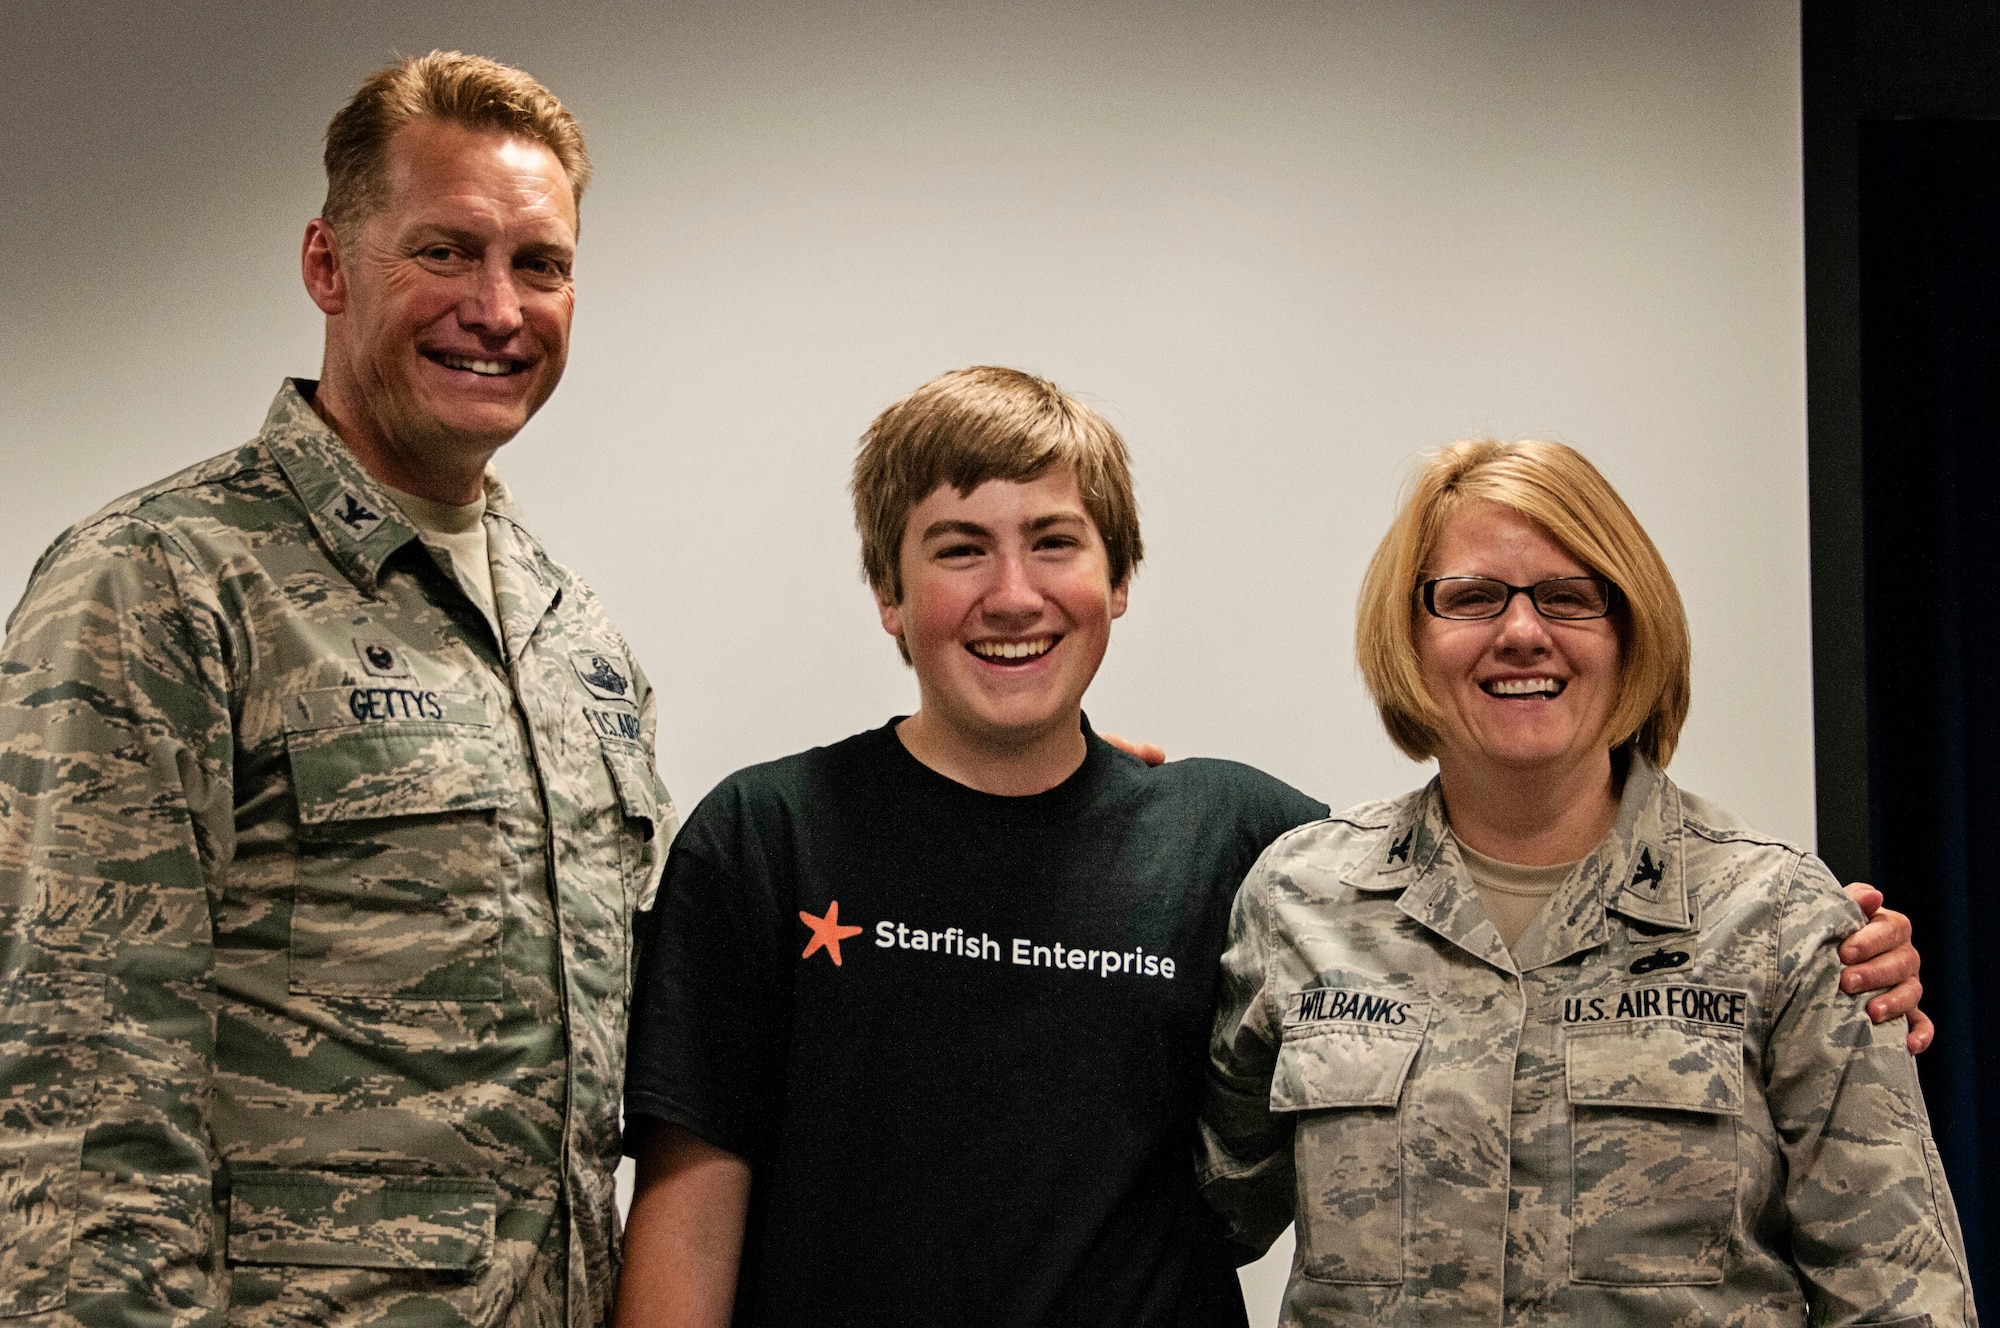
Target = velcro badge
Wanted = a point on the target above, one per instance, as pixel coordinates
(353, 515)
(1347, 1004)
(616, 725)
(382, 658)
(1649, 872)
(345, 707)
(606, 675)
(1691, 1001)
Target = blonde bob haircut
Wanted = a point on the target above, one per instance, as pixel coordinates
(1555, 487)
(985, 423)
(465, 90)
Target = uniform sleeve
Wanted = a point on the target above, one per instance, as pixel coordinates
(709, 1008)
(1874, 1232)
(115, 813)
(666, 820)
(1244, 1164)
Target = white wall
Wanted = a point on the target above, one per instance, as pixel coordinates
(1284, 246)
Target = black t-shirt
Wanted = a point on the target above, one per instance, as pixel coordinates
(968, 1097)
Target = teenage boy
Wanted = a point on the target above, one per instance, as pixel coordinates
(944, 989)
(920, 1024)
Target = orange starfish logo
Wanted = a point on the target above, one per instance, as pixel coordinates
(827, 932)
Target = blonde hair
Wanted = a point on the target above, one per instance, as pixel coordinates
(985, 423)
(466, 90)
(1555, 487)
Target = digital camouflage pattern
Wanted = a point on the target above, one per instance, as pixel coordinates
(1659, 1108)
(305, 1017)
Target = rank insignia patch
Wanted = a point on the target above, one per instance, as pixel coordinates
(355, 517)
(1649, 873)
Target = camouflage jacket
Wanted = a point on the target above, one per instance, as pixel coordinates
(1659, 1108)
(305, 1016)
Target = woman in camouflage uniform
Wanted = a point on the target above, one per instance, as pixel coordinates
(1550, 1038)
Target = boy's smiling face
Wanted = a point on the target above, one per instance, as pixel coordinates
(1006, 611)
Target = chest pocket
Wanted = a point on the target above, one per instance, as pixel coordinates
(1654, 1107)
(1344, 1077)
(648, 816)
(400, 857)
(643, 803)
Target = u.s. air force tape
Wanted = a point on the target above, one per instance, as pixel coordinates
(1701, 1005)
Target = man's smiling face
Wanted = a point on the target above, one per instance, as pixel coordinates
(457, 292)
(1006, 610)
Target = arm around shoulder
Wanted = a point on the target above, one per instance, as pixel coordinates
(116, 759)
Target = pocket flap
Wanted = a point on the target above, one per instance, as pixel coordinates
(413, 769)
(48, 1026)
(632, 774)
(1346, 1064)
(1666, 1063)
(327, 1219)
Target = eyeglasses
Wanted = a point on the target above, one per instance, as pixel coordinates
(1564, 598)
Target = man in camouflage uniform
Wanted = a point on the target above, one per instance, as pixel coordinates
(321, 839)
(1657, 1107)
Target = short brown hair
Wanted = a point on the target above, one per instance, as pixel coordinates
(985, 423)
(466, 90)
(1558, 489)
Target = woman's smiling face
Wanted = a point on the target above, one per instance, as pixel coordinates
(1518, 692)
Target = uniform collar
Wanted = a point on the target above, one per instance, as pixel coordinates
(1635, 871)
(1646, 882)
(526, 584)
(1417, 835)
(356, 517)
(362, 526)
(1419, 858)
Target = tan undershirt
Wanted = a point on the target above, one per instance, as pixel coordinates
(1512, 895)
(462, 532)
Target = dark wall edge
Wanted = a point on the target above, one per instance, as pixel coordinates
(1866, 59)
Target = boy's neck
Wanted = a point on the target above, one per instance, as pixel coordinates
(1034, 764)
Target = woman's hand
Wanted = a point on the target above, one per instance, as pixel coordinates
(1880, 957)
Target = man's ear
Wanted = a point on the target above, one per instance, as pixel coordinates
(320, 265)
(1118, 596)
